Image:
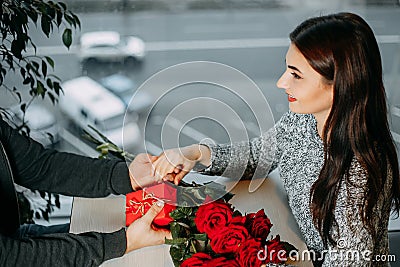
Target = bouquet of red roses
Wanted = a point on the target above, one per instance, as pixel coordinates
(215, 234)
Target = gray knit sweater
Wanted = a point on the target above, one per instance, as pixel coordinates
(294, 146)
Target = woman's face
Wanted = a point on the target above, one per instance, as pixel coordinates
(307, 92)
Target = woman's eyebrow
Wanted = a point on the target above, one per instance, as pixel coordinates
(294, 68)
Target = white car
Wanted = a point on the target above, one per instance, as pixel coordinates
(110, 46)
(85, 102)
(41, 122)
(125, 88)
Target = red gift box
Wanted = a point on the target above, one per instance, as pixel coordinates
(139, 202)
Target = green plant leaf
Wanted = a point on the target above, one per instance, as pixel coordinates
(50, 11)
(67, 37)
(16, 49)
(19, 96)
(57, 201)
(40, 89)
(62, 5)
(78, 22)
(35, 65)
(23, 72)
(45, 214)
(50, 61)
(70, 19)
(23, 107)
(57, 87)
(27, 80)
(44, 68)
(59, 18)
(53, 100)
(49, 83)
(32, 15)
(20, 18)
(45, 24)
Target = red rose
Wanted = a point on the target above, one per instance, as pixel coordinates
(229, 239)
(240, 220)
(222, 262)
(261, 225)
(249, 221)
(197, 260)
(249, 253)
(276, 251)
(212, 217)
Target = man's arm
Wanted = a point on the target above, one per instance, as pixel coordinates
(38, 168)
(87, 249)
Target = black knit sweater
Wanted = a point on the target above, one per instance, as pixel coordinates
(25, 162)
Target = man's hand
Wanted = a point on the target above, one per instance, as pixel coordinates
(141, 171)
(141, 232)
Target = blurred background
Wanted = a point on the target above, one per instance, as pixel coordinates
(122, 43)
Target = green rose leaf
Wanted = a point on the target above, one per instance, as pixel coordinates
(176, 241)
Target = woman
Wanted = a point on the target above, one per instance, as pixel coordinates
(334, 149)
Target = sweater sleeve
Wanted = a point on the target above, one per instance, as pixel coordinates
(255, 158)
(44, 169)
(87, 249)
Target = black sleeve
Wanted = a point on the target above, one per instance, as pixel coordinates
(87, 249)
(35, 167)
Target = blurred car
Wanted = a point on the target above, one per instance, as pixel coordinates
(85, 102)
(125, 88)
(41, 122)
(109, 46)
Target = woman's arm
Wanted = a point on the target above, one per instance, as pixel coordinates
(254, 158)
(245, 160)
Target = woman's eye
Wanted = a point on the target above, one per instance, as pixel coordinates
(295, 75)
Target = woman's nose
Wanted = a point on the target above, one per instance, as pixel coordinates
(282, 83)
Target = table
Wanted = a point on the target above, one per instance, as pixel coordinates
(108, 214)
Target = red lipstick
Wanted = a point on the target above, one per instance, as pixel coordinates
(291, 98)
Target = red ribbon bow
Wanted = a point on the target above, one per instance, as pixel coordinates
(140, 206)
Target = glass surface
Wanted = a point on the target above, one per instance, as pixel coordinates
(251, 36)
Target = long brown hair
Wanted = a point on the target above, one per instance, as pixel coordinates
(343, 49)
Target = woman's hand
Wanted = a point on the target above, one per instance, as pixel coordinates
(174, 164)
(141, 232)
